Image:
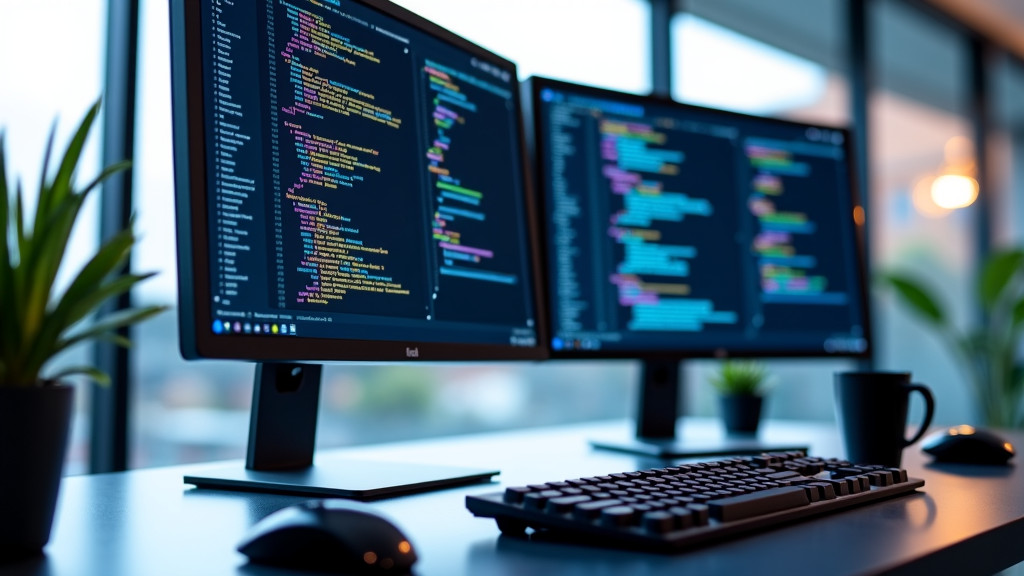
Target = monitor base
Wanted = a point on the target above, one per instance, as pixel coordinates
(676, 448)
(352, 479)
(282, 441)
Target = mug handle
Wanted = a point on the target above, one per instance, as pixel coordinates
(929, 409)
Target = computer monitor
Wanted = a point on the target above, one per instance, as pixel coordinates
(673, 231)
(351, 185)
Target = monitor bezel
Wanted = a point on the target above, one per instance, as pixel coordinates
(190, 170)
(532, 88)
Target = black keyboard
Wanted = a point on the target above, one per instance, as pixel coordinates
(689, 504)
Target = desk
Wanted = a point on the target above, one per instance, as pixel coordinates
(147, 522)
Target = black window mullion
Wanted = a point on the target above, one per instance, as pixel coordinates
(109, 422)
(661, 46)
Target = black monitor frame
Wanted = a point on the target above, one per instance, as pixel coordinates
(660, 402)
(287, 376)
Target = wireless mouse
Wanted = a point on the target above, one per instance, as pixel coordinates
(338, 536)
(967, 444)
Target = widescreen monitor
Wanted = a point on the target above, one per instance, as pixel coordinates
(673, 231)
(351, 185)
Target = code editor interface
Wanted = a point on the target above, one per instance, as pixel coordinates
(365, 179)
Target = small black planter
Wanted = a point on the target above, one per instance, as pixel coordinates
(741, 413)
(34, 424)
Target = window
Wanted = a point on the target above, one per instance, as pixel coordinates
(920, 130)
(786, 59)
(1007, 150)
(599, 42)
(46, 81)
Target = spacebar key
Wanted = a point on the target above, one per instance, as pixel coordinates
(757, 503)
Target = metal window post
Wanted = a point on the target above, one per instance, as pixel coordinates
(109, 423)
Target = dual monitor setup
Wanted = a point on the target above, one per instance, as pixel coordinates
(355, 183)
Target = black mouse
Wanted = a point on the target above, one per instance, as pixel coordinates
(968, 445)
(337, 536)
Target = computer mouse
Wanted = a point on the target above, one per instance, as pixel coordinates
(338, 536)
(968, 445)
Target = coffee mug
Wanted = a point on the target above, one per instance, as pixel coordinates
(871, 408)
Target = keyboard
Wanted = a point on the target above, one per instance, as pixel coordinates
(689, 505)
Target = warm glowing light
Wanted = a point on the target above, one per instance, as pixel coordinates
(959, 150)
(370, 558)
(404, 547)
(1008, 446)
(952, 191)
(921, 196)
(858, 215)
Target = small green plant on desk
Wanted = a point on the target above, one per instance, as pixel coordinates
(988, 352)
(741, 388)
(38, 321)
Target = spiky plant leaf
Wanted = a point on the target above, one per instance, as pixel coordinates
(106, 327)
(1018, 313)
(97, 375)
(996, 275)
(39, 323)
(916, 296)
(739, 377)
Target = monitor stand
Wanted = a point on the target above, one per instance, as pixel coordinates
(282, 436)
(656, 421)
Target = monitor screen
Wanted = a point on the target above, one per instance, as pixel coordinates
(350, 184)
(678, 231)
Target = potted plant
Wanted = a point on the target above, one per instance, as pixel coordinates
(988, 350)
(740, 385)
(38, 322)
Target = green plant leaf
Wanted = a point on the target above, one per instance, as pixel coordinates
(74, 311)
(6, 266)
(996, 275)
(44, 173)
(78, 299)
(916, 297)
(113, 288)
(5, 214)
(101, 377)
(106, 173)
(739, 377)
(61, 185)
(36, 323)
(109, 324)
(43, 263)
(1018, 313)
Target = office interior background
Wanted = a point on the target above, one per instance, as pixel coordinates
(931, 89)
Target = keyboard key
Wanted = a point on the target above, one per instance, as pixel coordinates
(825, 491)
(845, 472)
(537, 500)
(617, 516)
(758, 503)
(564, 504)
(785, 474)
(898, 475)
(880, 478)
(699, 513)
(811, 492)
(658, 521)
(592, 509)
(682, 516)
(839, 487)
(514, 494)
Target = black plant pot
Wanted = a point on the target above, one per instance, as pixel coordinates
(34, 424)
(741, 413)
